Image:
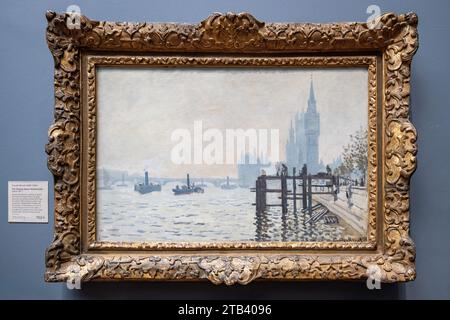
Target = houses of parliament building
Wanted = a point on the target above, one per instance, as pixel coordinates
(302, 146)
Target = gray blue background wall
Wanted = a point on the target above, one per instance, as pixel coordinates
(26, 103)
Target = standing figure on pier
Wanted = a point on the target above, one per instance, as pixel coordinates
(284, 170)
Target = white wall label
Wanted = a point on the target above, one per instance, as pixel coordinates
(28, 201)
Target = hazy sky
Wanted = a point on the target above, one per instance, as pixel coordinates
(138, 109)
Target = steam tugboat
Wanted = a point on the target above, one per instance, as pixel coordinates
(188, 188)
(147, 186)
(228, 185)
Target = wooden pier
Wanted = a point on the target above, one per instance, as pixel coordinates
(321, 183)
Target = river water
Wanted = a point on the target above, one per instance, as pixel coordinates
(214, 216)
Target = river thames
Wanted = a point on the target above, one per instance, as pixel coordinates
(216, 215)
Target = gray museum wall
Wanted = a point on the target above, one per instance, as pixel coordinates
(26, 92)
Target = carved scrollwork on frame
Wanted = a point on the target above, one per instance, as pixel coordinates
(391, 153)
(400, 148)
(231, 269)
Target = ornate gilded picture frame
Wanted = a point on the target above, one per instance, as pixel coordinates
(329, 222)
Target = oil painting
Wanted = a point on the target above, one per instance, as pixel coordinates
(242, 154)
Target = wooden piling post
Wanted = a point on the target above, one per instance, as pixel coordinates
(263, 184)
(258, 194)
(283, 193)
(294, 189)
(304, 175)
(309, 194)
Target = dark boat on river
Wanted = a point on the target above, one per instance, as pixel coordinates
(187, 189)
(228, 185)
(147, 186)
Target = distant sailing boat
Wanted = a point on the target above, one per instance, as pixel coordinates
(122, 184)
(188, 188)
(228, 185)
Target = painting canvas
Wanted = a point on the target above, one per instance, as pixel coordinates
(232, 154)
